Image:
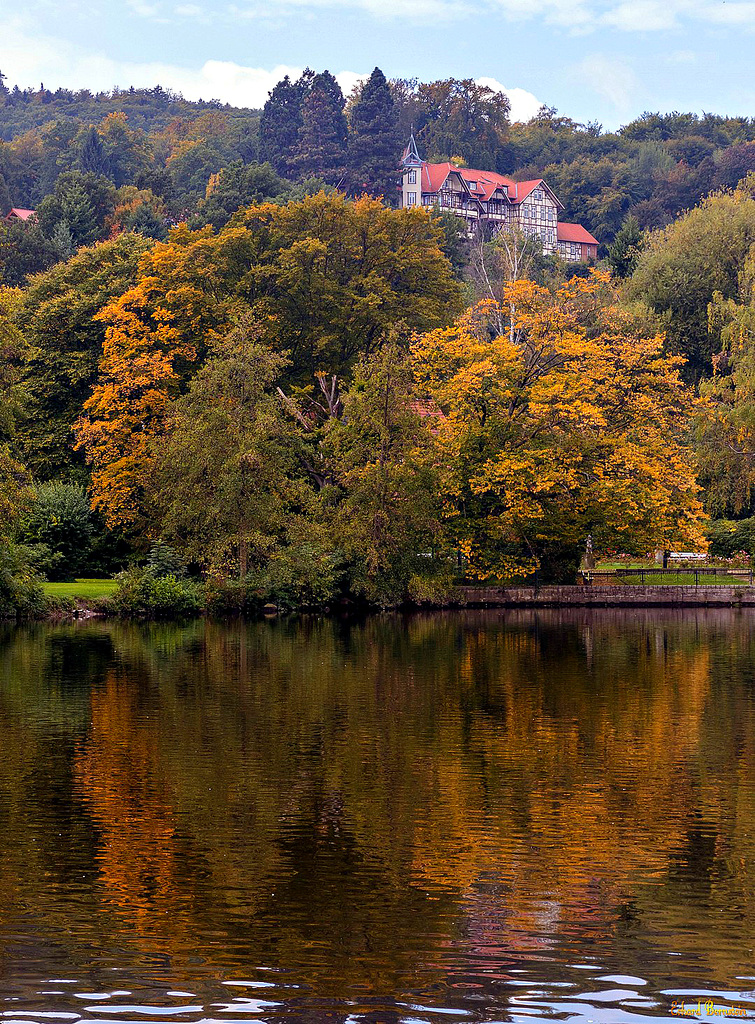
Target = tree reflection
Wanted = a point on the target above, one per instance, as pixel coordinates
(386, 806)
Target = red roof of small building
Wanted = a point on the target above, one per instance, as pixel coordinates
(20, 214)
(482, 184)
(575, 233)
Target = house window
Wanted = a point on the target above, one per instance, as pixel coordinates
(412, 178)
(411, 198)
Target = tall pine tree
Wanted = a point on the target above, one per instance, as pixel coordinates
(281, 120)
(321, 150)
(374, 145)
(624, 251)
(93, 157)
(5, 199)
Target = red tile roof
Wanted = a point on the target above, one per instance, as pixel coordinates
(575, 233)
(17, 212)
(486, 182)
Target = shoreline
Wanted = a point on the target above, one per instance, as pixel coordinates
(588, 596)
(549, 596)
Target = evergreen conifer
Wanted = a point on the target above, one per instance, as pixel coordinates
(374, 145)
(93, 156)
(5, 199)
(321, 150)
(280, 122)
(626, 247)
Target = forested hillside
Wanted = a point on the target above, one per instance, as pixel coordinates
(225, 355)
(94, 165)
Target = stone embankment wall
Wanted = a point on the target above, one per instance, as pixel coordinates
(603, 597)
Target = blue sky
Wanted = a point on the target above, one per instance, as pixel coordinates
(605, 60)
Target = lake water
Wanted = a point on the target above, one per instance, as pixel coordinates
(479, 816)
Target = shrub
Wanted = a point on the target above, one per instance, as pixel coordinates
(141, 595)
(163, 561)
(727, 537)
(59, 525)
(299, 576)
(20, 587)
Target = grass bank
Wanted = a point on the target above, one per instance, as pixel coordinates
(81, 590)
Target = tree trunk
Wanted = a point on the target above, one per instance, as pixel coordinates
(243, 556)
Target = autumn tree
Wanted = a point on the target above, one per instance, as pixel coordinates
(64, 338)
(138, 210)
(575, 427)
(325, 279)
(128, 410)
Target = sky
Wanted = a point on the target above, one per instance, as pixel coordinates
(594, 60)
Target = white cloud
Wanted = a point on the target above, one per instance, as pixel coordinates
(574, 16)
(32, 58)
(524, 105)
(681, 58)
(611, 79)
(641, 16)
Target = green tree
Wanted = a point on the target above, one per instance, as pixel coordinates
(374, 147)
(458, 117)
(725, 423)
(222, 480)
(62, 241)
(83, 201)
(331, 277)
(681, 268)
(56, 316)
(24, 251)
(235, 186)
(5, 199)
(625, 250)
(19, 587)
(388, 517)
(321, 144)
(93, 159)
(59, 523)
(280, 122)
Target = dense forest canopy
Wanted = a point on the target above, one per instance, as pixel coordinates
(145, 159)
(224, 352)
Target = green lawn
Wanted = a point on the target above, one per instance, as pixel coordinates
(83, 589)
(609, 566)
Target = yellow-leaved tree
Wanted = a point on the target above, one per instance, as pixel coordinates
(570, 424)
(127, 412)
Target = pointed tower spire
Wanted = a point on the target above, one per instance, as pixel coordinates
(410, 156)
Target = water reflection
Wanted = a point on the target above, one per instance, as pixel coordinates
(454, 816)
